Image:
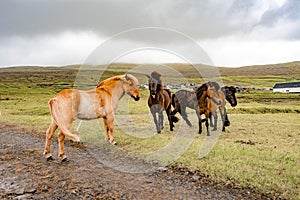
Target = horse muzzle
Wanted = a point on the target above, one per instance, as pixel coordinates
(136, 98)
(234, 104)
(218, 102)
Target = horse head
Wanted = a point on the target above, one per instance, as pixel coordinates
(154, 83)
(207, 90)
(131, 86)
(229, 92)
(212, 92)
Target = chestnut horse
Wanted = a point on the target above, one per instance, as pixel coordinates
(160, 100)
(100, 102)
(224, 93)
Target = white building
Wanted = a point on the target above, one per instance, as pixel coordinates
(287, 87)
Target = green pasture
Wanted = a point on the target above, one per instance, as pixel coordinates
(259, 151)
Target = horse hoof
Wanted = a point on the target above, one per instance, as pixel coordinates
(158, 132)
(50, 158)
(65, 160)
(114, 143)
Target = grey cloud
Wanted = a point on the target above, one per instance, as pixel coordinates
(199, 19)
(196, 18)
(289, 11)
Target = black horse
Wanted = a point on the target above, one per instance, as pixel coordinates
(160, 100)
(229, 92)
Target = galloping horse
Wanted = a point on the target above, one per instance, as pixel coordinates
(184, 98)
(100, 102)
(160, 100)
(195, 100)
(227, 93)
(206, 92)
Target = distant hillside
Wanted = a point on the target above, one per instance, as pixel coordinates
(291, 69)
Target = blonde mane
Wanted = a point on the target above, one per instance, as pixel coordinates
(113, 79)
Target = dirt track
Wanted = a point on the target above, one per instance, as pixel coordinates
(25, 174)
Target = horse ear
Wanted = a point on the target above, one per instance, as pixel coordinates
(126, 77)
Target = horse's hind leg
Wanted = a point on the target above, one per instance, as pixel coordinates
(61, 146)
(61, 154)
(185, 117)
(168, 111)
(49, 135)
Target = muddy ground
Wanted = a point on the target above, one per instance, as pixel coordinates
(25, 174)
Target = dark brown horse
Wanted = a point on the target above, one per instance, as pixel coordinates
(224, 93)
(160, 100)
(206, 93)
(195, 100)
(184, 98)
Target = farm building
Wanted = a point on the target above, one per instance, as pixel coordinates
(287, 87)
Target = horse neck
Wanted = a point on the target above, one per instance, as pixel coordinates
(117, 93)
(203, 98)
(115, 89)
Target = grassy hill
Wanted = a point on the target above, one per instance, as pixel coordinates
(248, 76)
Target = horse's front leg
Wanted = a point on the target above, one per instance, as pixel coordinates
(226, 120)
(160, 120)
(153, 112)
(168, 111)
(109, 128)
(49, 135)
(223, 115)
(199, 120)
(215, 125)
(210, 119)
(207, 124)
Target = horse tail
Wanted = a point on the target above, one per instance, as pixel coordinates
(56, 116)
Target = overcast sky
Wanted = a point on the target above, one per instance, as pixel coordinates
(235, 33)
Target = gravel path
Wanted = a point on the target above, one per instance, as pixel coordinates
(25, 174)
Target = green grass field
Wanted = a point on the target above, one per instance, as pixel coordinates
(259, 151)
